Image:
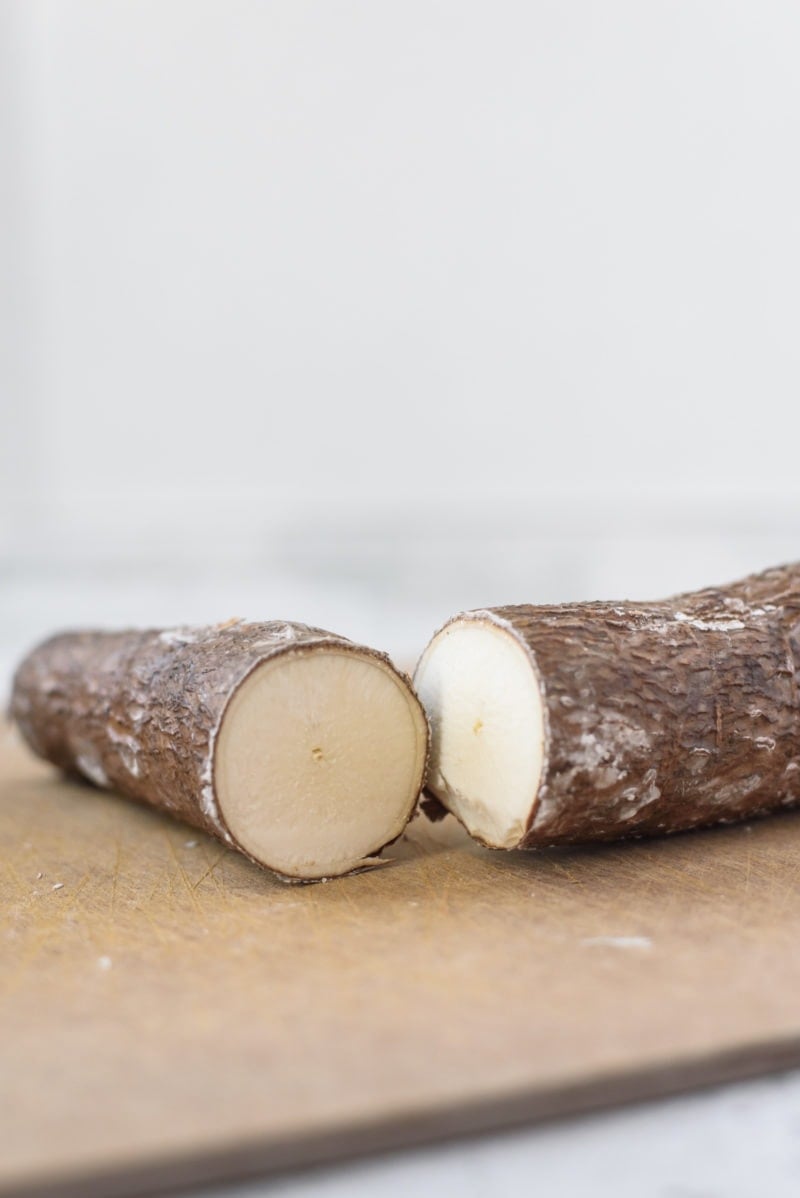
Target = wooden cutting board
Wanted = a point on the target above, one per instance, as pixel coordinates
(171, 1013)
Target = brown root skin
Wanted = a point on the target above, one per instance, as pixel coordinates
(661, 717)
(140, 711)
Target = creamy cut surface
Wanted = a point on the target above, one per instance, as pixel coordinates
(655, 717)
(477, 684)
(317, 761)
(303, 751)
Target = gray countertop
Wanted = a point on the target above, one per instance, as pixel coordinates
(736, 1141)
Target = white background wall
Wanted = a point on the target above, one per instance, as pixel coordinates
(364, 312)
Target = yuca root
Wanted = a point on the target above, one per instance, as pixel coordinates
(298, 748)
(604, 720)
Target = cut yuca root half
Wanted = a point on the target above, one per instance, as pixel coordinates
(303, 751)
(592, 721)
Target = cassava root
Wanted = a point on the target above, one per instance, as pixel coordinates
(300, 749)
(591, 721)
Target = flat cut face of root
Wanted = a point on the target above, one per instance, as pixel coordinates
(482, 696)
(319, 760)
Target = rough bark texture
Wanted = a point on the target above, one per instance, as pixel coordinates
(669, 715)
(139, 711)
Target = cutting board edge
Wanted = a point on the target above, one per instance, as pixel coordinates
(265, 1157)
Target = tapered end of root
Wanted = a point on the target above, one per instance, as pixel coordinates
(481, 692)
(319, 760)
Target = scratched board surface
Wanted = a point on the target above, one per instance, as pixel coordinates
(171, 1013)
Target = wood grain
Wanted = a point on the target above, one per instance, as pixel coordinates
(169, 1013)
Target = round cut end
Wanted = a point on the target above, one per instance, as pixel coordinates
(319, 760)
(480, 690)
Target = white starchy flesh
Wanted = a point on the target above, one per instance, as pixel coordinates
(319, 761)
(482, 696)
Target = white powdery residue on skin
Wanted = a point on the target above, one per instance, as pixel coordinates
(737, 604)
(178, 636)
(737, 790)
(713, 624)
(546, 806)
(283, 634)
(128, 749)
(621, 735)
(637, 943)
(599, 755)
(91, 768)
(639, 797)
(606, 776)
(613, 736)
(130, 762)
(593, 757)
(208, 798)
(485, 613)
(592, 752)
(286, 633)
(649, 621)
